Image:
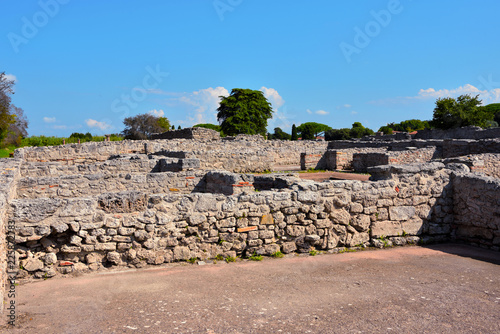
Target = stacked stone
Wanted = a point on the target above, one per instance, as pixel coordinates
(134, 228)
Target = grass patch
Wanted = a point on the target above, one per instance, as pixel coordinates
(278, 254)
(230, 259)
(256, 257)
(313, 252)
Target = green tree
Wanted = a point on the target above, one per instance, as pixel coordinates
(280, 134)
(245, 111)
(337, 134)
(358, 131)
(13, 123)
(295, 136)
(493, 109)
(386, 129)
(143, 125)
(179, 127)
(405, 126)
(310, 130)
(164, 123)
(463, 111)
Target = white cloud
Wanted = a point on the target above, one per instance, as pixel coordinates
(344, 106)
(10, 77)
(354, 112)
(273, 96)
(487, 96)
(205, 103)
(49, 119)
(317, 112)
(59, 127)
(157, 113)
(92, 123)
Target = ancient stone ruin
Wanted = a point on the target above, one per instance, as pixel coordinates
(86, 207)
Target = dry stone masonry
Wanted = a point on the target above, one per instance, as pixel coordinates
(136, 203)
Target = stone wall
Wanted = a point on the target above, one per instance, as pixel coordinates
(9, 173)
(137, 228)
(189, 133)
(240, 154)
(470, 132)
(477, 209)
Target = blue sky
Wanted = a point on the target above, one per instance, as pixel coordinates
(82, 66)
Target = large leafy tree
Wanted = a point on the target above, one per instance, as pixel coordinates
(13, 122)
(358, 130)
(463, 111)
(244, 111)
(493, 109)
(143, 125)
(338, 134)
(280, 134)
(310, 130)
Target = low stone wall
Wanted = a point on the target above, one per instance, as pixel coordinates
(189, 133)
(71, 186)
(136, 228)
(240, 154)
(477, 209)
(361, 161)
(470, 132)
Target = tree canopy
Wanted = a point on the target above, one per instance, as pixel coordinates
(405, 126)
(13, 122)
(358, 130)
(310, 130)
(279, 134)
(295, 135)
(244, 111)
(463, 111)
(143, 125)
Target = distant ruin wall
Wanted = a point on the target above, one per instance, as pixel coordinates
(237, 155)
(188, 133)
(470, 132)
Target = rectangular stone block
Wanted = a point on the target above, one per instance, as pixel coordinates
(386, 228)
(246, 229)
(401, 212)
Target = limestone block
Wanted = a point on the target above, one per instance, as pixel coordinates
(32, 264)
(341, 217)
(182, 253)
(401, 212)
(386, 228)
(295, 230)
(267, 219)
(78, 207)
(414, 226)
(289, 247)
(361, 222)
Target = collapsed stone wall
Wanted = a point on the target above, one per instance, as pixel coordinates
(136, 228)
(477, 209)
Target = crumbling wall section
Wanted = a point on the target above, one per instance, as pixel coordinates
(477, 209)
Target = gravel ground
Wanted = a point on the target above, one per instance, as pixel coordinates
(436, 289)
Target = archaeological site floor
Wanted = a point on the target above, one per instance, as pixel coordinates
(436, 289)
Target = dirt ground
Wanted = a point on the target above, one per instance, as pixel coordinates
(435, 289)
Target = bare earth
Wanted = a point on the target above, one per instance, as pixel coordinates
(437, 289)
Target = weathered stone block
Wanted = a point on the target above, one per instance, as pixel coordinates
(385, 228)
(401, 212)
